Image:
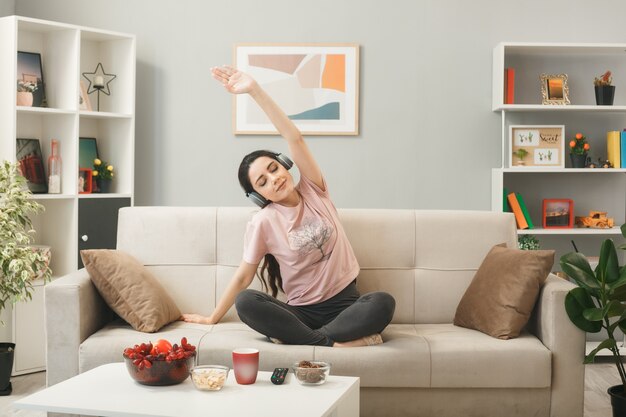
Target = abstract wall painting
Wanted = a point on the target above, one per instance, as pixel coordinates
(317, 85)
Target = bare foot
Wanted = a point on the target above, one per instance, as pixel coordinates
(195, 318)
(371, 340)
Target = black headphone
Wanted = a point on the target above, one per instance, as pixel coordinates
(257, 198)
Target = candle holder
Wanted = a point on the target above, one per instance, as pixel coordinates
(99, 81)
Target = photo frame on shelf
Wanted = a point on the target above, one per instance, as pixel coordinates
(83, 99)
(87, 152)
(30, 162)
(317, 85)
(533, 147)
(30, 81)
(558, 213)
(84, 181)
(554, 89)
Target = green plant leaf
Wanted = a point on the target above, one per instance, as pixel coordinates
(577, 301)
(623, 229)
(608, 265)
(615, 308)
(594, 314)
(576, 266)
(606, 344)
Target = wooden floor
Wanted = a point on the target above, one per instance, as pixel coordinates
(598, 377)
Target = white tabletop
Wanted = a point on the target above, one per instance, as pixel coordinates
(110, 392)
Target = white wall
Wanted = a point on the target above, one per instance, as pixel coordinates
(428, 137)
(7, 7)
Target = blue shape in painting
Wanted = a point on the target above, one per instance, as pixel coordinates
(328, 111)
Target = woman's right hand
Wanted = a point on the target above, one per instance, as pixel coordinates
(233, 80)
(197, 318)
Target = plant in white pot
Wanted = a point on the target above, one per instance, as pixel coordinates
(599, 303)
(20, 261)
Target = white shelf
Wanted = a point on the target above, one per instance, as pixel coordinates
(572, 231)
(43, 110)
(530, 170)
(104, 195)
(52, 196)
(569, 108)
(67, 51)
(104, 115)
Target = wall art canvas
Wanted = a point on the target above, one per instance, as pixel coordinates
(316, 85)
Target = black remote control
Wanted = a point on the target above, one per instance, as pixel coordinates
(278, 377)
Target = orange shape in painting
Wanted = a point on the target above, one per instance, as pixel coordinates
(283, 63)
(334, 76)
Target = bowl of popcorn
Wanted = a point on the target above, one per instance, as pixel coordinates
(311, 372)
(209, 377)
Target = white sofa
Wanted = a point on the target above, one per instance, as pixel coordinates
(425, 259)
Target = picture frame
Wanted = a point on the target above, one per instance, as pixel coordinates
(30, 162)
(85, 181)
(317, 85)
(83, 99)
(554, 89)
(30, 77)
(87, 152)
(544, 145)
(558, 213)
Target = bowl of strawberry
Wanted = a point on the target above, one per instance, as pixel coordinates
(160, 363)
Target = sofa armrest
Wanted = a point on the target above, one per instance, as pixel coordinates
(73, 311)
(551, 324)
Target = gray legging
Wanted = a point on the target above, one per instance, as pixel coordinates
(344, 317)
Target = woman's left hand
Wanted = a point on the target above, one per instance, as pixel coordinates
(233, 80)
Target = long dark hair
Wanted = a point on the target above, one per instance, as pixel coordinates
(269, 275)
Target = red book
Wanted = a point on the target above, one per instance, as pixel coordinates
(509, 86)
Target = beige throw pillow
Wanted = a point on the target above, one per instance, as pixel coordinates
(502, 295)
(130, 289)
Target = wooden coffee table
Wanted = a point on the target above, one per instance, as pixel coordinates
(109, 391)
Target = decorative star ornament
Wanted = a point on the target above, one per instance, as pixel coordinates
(106, 79)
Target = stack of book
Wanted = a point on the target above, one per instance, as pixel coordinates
(616, 148)
(513, 202)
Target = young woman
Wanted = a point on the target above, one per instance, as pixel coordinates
(304, 248)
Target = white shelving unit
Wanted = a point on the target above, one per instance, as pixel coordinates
(66, 51)
(591, 189)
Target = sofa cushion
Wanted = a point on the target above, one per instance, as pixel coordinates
(402, 361)
(465, 358)
(501, 297)
(130, 289)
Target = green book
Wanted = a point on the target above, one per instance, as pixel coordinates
(505, 202)
(524, 210)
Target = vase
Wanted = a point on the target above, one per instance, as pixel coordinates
(604, 95)
(104, 186)
(25, 98)
(578, 161)
(6, 367)
(618, 400)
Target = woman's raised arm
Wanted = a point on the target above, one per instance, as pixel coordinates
(237, 82)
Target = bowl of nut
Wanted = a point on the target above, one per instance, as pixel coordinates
(311, 372)
(209, 377)
(160, 363)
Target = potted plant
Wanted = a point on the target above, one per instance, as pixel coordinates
(25, 90)
(599, 303)
(604, 90)
(578, 148)
(528, 242)
(20, 262)
(521, 154)
(103, 174)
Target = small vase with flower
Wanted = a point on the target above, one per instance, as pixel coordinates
(578, 151)
(605, 92)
